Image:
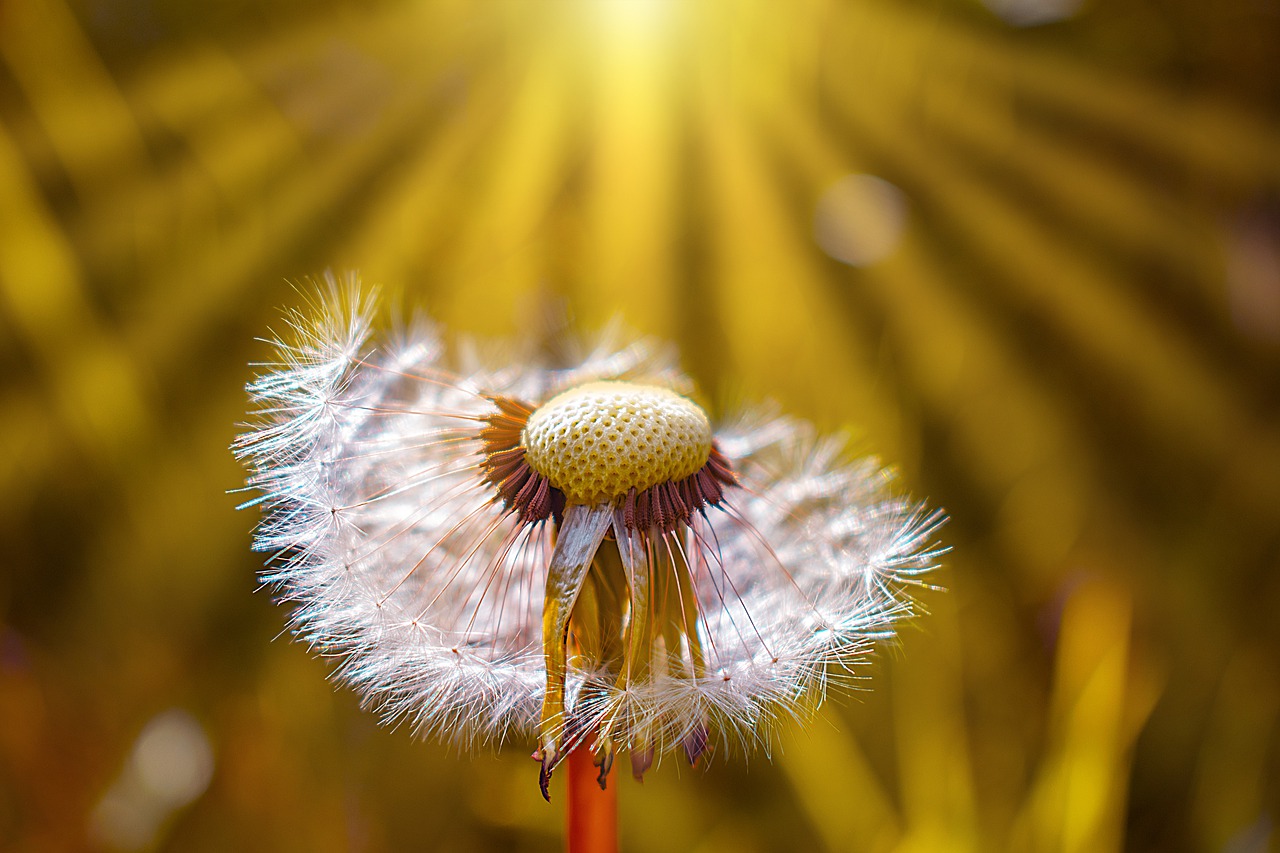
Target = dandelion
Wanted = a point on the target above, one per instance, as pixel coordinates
(572, 556)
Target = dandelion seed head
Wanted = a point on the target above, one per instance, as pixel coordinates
(565, 556)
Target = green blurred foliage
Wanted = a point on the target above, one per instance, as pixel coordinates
(1069, 336)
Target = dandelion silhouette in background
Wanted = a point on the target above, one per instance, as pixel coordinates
(568, 555)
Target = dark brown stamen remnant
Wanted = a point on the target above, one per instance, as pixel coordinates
(667, 506)
(523, 490)
(664, 507)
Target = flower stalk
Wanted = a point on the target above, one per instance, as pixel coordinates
(591, 818)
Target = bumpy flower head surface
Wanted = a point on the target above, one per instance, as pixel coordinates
(569, 556)
(596, 441)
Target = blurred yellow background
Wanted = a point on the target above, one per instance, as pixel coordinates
(1027, 251)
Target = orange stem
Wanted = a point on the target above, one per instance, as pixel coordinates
(592, 813)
